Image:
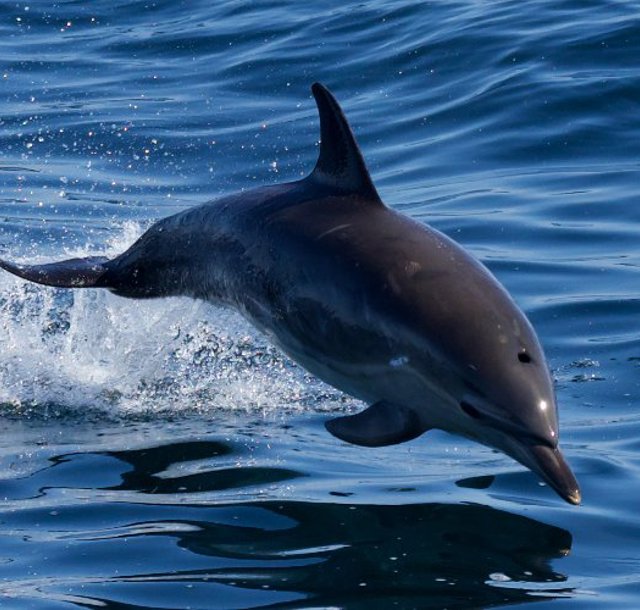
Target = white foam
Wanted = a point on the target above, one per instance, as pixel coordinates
(89, 349)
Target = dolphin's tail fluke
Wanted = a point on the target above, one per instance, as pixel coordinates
(72, 273)
(160, 263)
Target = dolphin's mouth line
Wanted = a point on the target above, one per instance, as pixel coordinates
(505, 426)
(539, 454)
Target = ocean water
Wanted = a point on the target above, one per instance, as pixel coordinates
(161, 454)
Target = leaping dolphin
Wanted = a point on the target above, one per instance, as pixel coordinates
(371, 301)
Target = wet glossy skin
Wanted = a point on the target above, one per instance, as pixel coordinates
(371, 301)
(374, 303)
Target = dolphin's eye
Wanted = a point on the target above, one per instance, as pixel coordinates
(524, 357)
(470, 410)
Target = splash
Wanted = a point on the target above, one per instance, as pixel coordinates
(91, 350)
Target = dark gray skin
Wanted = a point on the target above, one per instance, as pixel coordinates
(369, 300)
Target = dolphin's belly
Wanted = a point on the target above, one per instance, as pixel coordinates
(392, 376)
(353, 359)
(364, 360)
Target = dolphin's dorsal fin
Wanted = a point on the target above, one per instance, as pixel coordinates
(340, 163)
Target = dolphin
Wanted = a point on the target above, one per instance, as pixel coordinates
(375, 303)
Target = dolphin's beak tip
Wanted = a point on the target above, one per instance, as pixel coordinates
(563, 480)
(549, 463)
(574, 497)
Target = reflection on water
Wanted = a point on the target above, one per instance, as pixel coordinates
(271, 553)
(444, 555)
(152, 474)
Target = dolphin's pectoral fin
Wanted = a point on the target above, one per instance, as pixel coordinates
(72, 273)
(381, 424)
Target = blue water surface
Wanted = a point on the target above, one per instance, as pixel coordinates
(162, 454)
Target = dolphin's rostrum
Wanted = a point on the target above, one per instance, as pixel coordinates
(379, 305)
